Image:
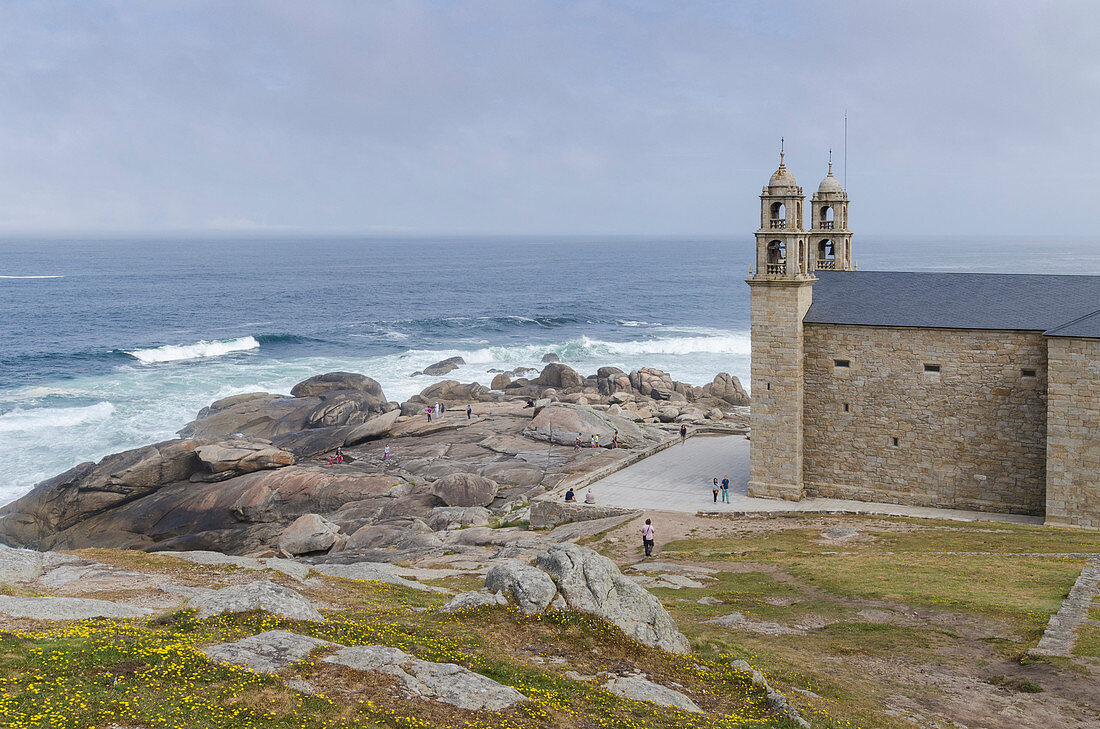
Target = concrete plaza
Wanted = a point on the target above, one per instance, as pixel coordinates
(680, 479)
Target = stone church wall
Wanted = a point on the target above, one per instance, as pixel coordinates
(970, 436)
(1073, 427)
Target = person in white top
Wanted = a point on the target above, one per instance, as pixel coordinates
(648, 533)
(590, 498)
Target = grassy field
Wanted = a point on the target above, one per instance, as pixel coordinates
(152, 673)
(888, 622)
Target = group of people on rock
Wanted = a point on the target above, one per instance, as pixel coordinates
(337, 457)
(594, 441)
(440, 409)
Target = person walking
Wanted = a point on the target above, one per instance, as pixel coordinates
(648, 533)
(683, 433)
(386, 454)
(716, 489)
(596, 441)
(726, 490)
(592, 441)
(577, 443)
(615, 440)
(469, 412)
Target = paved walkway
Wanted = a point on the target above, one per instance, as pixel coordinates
(679, 479)
(1061, 631)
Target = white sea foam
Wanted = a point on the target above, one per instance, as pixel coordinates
(49, 419)
(199, 350)
(632, 323)
(32, 277)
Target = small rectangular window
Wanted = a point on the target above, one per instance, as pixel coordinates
(845, 407)
(1027, 373)
(895, 442)
(769, 385)
(931, 368)
(841, 363)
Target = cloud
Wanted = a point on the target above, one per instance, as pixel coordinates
(543, 117)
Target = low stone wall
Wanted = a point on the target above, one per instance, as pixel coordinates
(546, 514)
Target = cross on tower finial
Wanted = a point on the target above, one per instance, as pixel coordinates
(830, 161)
(782, 144)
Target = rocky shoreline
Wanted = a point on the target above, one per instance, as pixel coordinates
(251, 475)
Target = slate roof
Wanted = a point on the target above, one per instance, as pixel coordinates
(1060, 306)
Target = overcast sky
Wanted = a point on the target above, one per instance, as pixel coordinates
(545, 117)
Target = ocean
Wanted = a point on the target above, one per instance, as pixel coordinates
(108, 344)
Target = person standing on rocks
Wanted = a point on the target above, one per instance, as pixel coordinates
(577, 443)
(716, 489)
(648, 533)
(469, 412)
(438, 413)
(726, 490)
(615, 440)
(684, 435)
(442, 409)
(386, 454)
(429, 411)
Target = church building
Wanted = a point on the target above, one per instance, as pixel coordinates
(953, 390)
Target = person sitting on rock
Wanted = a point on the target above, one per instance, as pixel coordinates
(590, 498)
(569, 496)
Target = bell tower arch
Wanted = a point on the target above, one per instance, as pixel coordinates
(830, 237)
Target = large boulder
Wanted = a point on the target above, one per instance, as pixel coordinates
(240, 456)
(334, 381)
(565, 422)
(444, 682)
(465, 489)
(472, 601)
(92, 488)
(259, 415)
(308, 533)
(592, 583)
(728, 389)
(561, 376)
(443, 367)
(550, 357)
(500, 381)
(531, 588)
(455, 517)
(372, 429)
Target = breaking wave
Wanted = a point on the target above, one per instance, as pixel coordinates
(32, 277)
(199, 350)
(47, 419)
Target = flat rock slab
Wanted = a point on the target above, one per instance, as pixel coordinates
(444, 682)
(642, 689)
(739, 621)
(267, 652)
(377, 572)
(473, 600)
(259, 595)
(671, 582)
(19, 565)
(66, 608)
(679, 569)
(288, 567)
